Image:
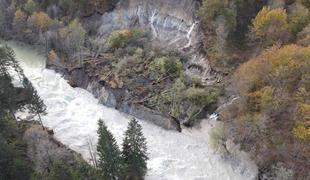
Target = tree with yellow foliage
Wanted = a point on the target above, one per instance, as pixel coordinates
(20, 21)
(39, 21)
(271, 26)
(119, 38)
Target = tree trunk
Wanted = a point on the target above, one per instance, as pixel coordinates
(12, 114)
(41, 121)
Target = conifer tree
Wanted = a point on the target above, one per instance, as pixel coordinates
(134, 152)
(110, 160)
(36, 104)
(10, 96)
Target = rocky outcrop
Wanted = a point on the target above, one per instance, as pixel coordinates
(120, 100)
(115, 98)
(172, 23)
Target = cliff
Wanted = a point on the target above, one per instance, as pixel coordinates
(173, 24)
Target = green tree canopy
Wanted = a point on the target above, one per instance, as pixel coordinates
(134, 152)
(110, 160)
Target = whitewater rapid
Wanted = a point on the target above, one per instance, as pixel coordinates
(73, 114)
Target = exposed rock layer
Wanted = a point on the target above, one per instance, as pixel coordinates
(172, 23)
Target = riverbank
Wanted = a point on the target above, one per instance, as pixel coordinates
(73, 114)
(114, 98)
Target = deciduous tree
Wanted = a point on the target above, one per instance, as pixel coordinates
(20, 21)
(39, 22)
(271, 26)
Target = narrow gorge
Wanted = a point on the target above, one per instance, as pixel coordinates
(154, 89)
(73, 114)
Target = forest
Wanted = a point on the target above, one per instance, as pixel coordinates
(267, 53)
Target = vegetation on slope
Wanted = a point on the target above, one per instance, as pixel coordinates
(152, 76)
(273, 109)
(270, 75)
(262, 44)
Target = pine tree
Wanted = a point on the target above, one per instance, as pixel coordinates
(134, 152)
(110, 160)
(8, 61)
(36, 104)
(11, 97)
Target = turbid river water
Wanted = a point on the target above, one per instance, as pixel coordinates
(73, 114)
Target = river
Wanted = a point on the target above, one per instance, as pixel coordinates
(73, 114)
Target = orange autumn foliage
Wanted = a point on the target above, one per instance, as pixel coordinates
(19, 22)
(271, 119)
(20, 16)
(40, 21)
(268, 83)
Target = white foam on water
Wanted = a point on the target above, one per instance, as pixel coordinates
(73, 114)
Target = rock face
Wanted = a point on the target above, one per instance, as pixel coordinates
(172, 23)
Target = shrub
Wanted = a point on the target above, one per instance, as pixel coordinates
(198, 100)
(171, 99)
(121, 38)
(139, 55)
(217, 137)
(184, 103)
(202, 97)
(166, 66)
(31, 7)
(196, 81)
(69, 171)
